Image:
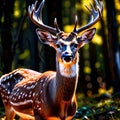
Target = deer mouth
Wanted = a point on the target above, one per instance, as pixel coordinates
(67, 58)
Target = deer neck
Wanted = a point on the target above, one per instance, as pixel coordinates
(66, 80)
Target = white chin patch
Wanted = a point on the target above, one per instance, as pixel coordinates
(69, 71)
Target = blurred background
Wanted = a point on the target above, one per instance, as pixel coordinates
(99, 61)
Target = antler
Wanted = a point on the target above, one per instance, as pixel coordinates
(36, 17)
(95, 17)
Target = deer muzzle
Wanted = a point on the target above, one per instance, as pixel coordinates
(67, 58)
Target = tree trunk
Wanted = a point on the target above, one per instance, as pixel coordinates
(33, 42)
(33, 46)
(6, 36)
(107, 72)
(94, 74)
(114, 50)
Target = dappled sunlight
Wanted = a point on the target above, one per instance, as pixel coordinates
(24, 55)
(118, 19)
(87, 70)
(97, 65)
(78, 6)
(17, 11)
(117, 4)
(97, 40)
(104, 91)
(67, 3)
(68, 28)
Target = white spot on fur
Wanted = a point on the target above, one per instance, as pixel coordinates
(41, 92)
(26, 95)
(39, 109)
(29, 96)
(21, 103)
(33, 94)
(43, 84)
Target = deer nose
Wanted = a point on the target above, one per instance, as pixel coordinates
(67, 57)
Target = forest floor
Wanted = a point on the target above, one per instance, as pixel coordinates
(100, 107)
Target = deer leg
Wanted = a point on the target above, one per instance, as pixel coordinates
(37, 117)
(10, 114)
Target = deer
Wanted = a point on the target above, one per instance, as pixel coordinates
(50, 95)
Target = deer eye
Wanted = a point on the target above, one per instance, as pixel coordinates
(58, 46)
(74, 45)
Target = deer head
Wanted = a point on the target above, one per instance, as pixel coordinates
(65, 44)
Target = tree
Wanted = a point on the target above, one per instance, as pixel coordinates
(6, 35)
(33, 41)
(113, 48)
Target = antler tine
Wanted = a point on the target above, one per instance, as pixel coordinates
(99, 5)
(56, 26)
(38, 12)
(36, 17)
(76, 22)
(95, 17)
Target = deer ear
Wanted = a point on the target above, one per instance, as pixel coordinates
(87, 36)
(45, 37)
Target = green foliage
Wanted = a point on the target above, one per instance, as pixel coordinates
(98, 108)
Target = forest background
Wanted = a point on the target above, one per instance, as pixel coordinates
(99, 61)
